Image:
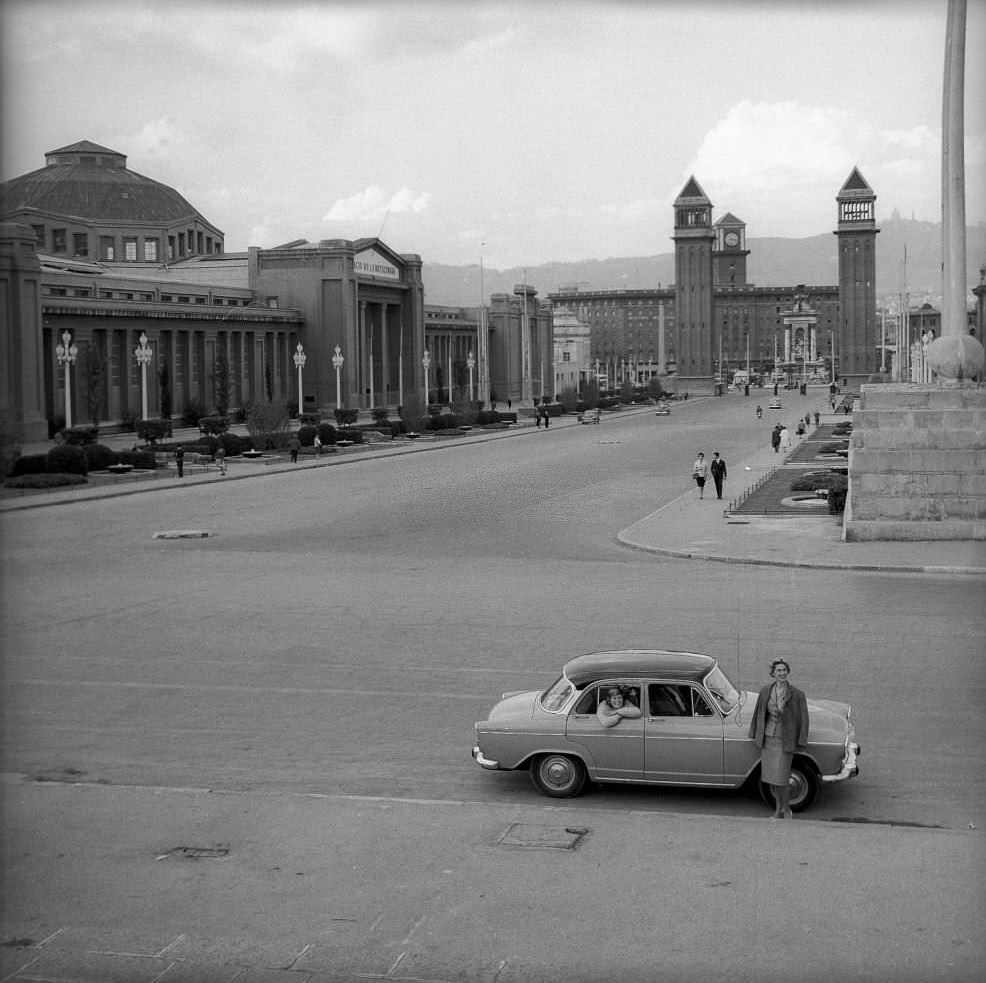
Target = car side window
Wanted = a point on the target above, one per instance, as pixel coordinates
(587, 701)
(701, 705)
(668, 700)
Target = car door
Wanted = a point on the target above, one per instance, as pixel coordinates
(683, 735)
(612, 753)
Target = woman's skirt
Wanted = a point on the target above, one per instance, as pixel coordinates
(775, 762)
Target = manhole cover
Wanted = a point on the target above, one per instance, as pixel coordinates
(195, 853)
(534, 837)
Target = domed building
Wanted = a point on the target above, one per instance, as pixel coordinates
(100, 260)
(86, 204)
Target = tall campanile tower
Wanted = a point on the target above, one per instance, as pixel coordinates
(856, 345)
(694, 238)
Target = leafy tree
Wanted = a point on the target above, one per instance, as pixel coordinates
(267, 424)
(164, 384)
(221, 382)
(268, 382)
(95, 380)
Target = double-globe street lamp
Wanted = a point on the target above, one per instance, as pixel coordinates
(299, 363)
(426, 363)
(143, 353)
(471, 364)
(337, 359)
(66, 354)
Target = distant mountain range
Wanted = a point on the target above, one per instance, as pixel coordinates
(772, 262)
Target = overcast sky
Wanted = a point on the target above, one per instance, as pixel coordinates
(546, 130)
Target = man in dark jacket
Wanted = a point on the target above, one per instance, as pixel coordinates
(718, 469)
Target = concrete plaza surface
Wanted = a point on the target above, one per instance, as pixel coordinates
(154, 884)
(323, 889)
(686, 527)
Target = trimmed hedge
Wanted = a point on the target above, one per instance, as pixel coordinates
(67, 459)
(139, 460)
(98, 456)
(30, 464)
(214, 424)
(46, 481)
(85, 433)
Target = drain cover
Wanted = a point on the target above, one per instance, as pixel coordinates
(533, 837)
(195, 853)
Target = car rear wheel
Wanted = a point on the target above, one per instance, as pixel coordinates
(804, 788)
(558, 775)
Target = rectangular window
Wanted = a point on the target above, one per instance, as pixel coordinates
(130, 248)
(58, 241)
(171, 247)
(107, 248)
(181, 243)
(150, 250)
(39, 235)
(80, 243)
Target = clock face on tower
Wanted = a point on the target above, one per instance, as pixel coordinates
(731, 239)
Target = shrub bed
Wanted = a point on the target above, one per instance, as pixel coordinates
(98, 457)
(138, 460)
(85, 433)
(214, 424)
(30, 464)
(57, 480)
(67, 459)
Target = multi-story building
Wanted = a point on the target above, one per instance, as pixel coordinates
(713, 322)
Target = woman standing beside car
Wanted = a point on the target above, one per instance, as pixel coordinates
(779, 728)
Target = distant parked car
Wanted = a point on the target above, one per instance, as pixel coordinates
(775, 403)
(693, 729)
(589, 416)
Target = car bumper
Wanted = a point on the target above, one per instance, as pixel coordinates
(483, 761)
(850, 768)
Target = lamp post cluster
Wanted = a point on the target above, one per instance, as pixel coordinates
(66, 354)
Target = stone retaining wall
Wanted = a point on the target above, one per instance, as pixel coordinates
(917, 464)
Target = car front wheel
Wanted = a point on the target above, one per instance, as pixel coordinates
(804, 786)
(558, 775)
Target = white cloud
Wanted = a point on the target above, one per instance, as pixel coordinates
(155, 138)
(373, 204)
(779, 166)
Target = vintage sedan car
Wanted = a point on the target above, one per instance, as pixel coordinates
(774, 404)
(693, 729)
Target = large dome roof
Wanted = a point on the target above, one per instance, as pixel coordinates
(92, 183)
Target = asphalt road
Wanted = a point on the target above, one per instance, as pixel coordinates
(341, 628)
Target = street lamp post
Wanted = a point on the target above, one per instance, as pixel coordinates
(471, 364)
(337, 360)
(143, 353)
(426, 363)
(66, 353)
(299, 363)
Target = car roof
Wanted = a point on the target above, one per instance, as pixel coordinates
(637, 663)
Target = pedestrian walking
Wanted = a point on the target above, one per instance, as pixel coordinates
(700, 471)
(718, 469)
(317, 444)
(779, 727)
(180, 460)
(294, 445)
(510, 405)
(818, 416)
(537, 416)
(759, 411)
(547, 417)
(220, 458)
(775, 437)
(785, 439)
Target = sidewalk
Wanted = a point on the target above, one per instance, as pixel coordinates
(687, 527)
(702, 530)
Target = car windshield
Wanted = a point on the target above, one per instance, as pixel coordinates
(722, 689)
(557, 695)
